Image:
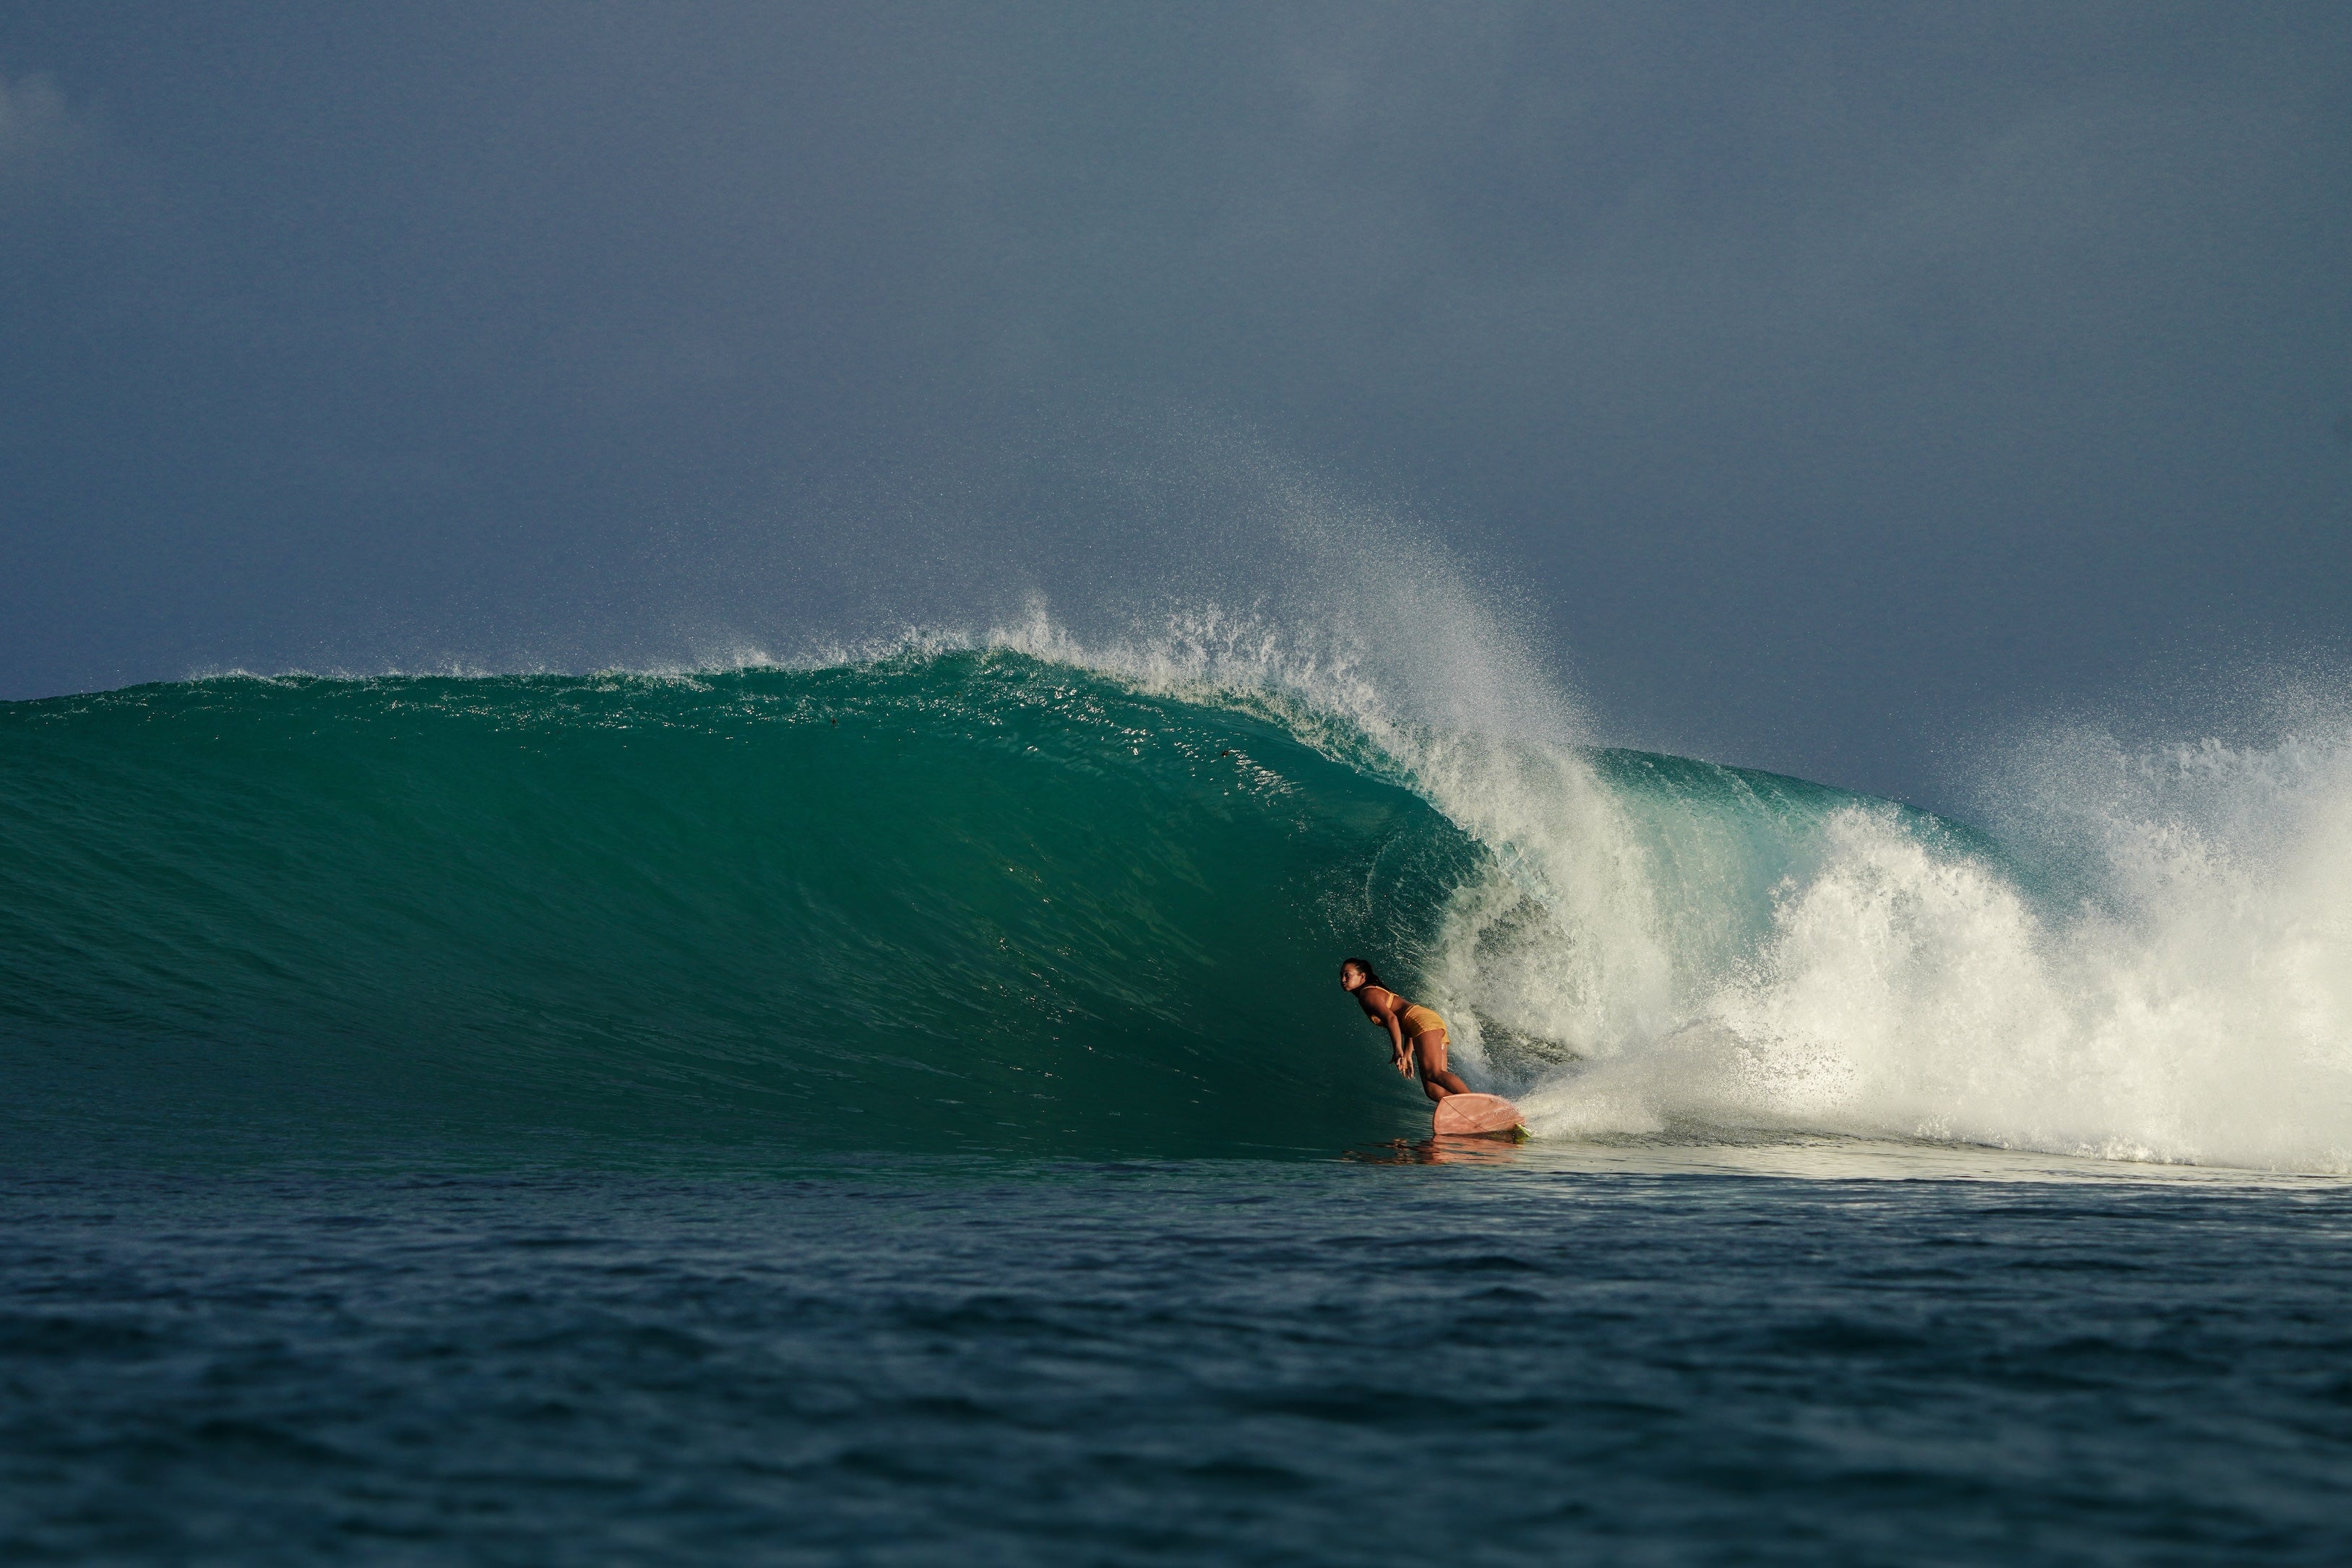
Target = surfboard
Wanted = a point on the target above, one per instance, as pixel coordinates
(1475, 1114)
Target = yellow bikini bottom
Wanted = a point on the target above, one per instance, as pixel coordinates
(1417, 1020)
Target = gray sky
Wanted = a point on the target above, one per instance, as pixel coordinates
(1822, 383)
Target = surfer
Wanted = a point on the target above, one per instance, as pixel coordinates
(1405, 1021)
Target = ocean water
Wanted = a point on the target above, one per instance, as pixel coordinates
(902, 1111)
(1179, 1361)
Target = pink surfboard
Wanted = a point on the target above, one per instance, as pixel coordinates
(1476, 1113)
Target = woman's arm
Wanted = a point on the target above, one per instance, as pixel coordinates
(1382, 1014)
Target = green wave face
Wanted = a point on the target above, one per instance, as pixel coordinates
(981, 902)
(958, 902)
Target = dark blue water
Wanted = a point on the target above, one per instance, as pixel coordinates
(1534, 1358)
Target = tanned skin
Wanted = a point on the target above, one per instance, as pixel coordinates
(1383, 1006)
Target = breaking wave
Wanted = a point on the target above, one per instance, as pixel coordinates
(1027, 893)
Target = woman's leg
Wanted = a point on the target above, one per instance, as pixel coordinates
(1429, 1050)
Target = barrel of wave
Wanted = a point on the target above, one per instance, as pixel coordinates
(955, 904)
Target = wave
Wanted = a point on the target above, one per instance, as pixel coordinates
(1030, 895)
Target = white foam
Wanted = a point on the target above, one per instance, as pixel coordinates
(2167, 976)
(2192, 1001)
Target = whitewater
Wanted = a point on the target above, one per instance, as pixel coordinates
(1028, 890)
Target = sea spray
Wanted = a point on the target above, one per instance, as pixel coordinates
(2171, 978)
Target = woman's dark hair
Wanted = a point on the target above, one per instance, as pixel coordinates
(1370, 978)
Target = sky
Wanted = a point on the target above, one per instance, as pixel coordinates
(1816, 387)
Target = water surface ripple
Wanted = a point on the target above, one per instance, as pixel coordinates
(1224, 1361)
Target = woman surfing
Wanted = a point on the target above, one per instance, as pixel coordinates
(1405, 1022)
